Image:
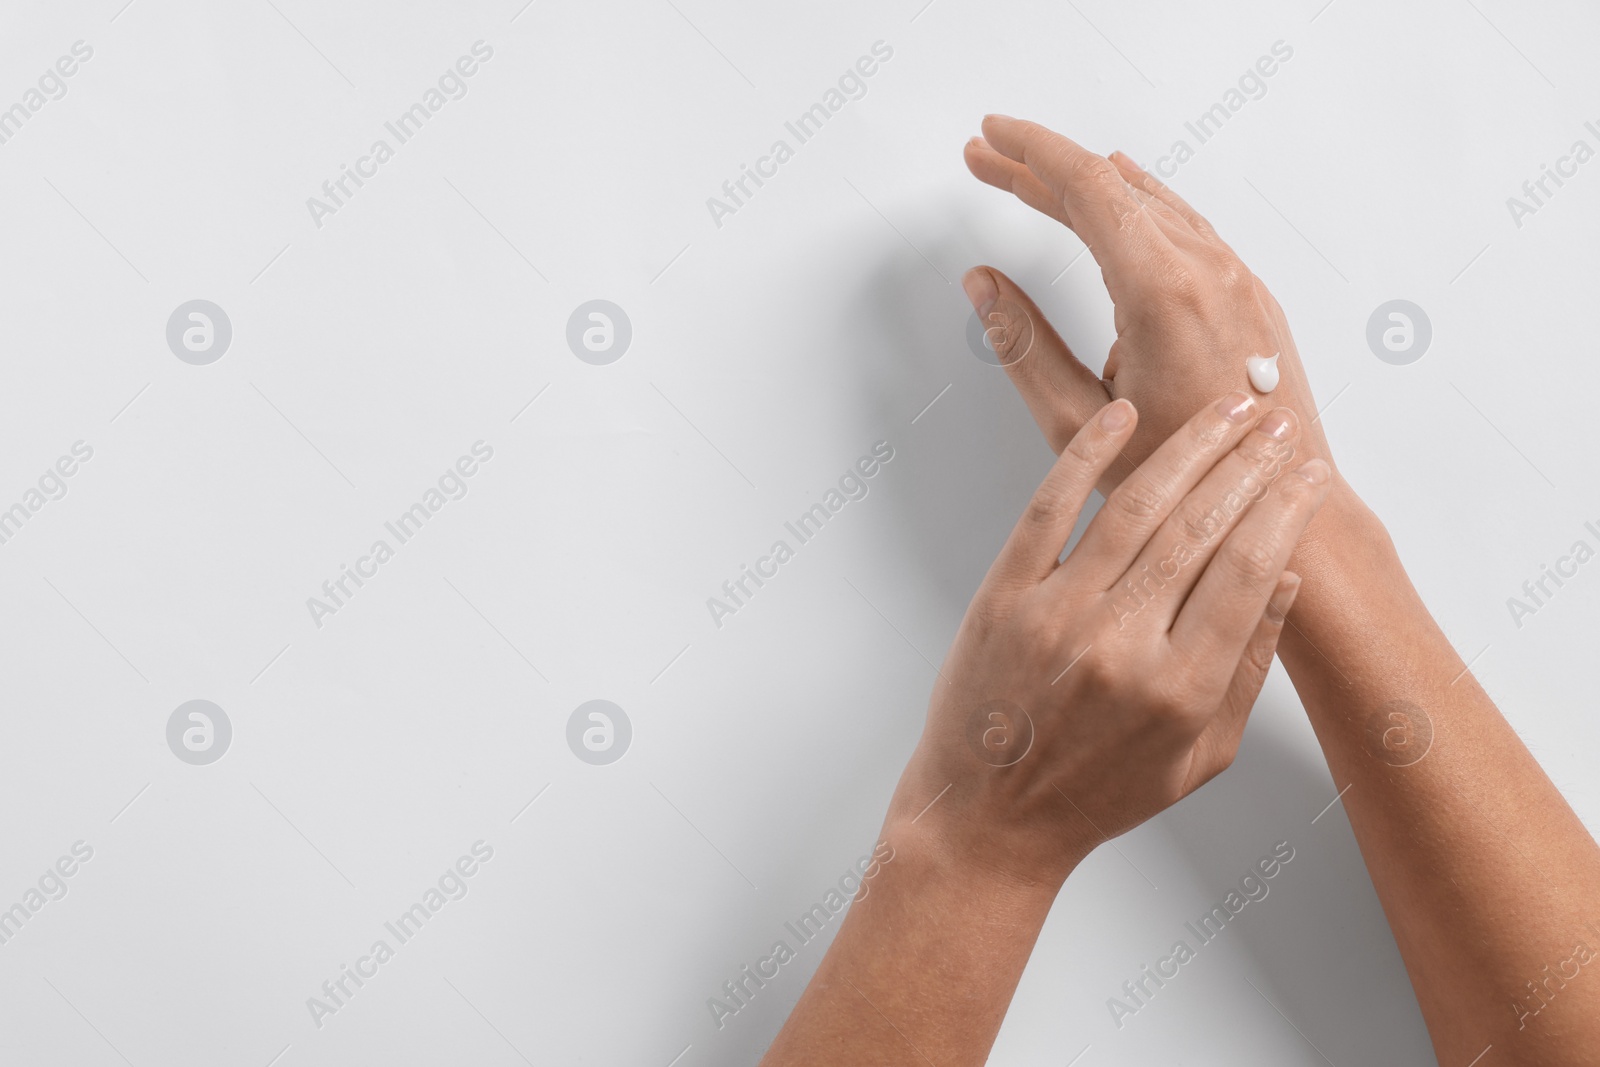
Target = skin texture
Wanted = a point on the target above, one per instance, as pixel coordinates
(1058, 683)
(1490, 883)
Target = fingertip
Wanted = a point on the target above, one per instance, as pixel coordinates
(1282, 598)
(1279, 424)
(981, 288)
(995, 125)
(1316, 471)
(1118, 416)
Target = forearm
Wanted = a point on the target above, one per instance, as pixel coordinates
(1489, 880)
(924, 966)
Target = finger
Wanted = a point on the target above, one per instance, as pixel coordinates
(1061, 393)
(1219, 615)
(1219, 741)
(1171, 564)
(1100, 208)
(992, 168)
(1140, 178)
(1175, 226)
(1032, 551)
(1137, 508)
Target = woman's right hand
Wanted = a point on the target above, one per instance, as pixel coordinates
(1082, 697)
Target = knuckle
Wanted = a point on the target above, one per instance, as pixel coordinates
(1043, 625)
(987, 615)
(1253, 559)
(1259, 656)
(1233, 278)
(1197, 526)
(1184, 288)
(1094, 170)
(1168, 701)
(1138, 501)
(1208, 431)
(1096, 671)
(1046, 506)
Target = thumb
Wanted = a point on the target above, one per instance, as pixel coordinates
(1062, 394)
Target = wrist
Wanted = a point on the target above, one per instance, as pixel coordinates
(1344, 530)
(926, 855)
(1354, 591)
(949, 833)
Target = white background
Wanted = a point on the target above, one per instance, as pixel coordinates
(767, 355)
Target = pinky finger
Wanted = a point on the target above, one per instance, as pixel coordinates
(1226, 730)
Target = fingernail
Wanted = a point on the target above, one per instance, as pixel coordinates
(978, 142)
(1315, 471)
(1277, 423)
(1116, 415)
(997, 115)
(1235, 406)
(1283, 597)
(981, 290)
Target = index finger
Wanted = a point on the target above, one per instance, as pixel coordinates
(1100, 207)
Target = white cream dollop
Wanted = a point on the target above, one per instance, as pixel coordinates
(1263, 371)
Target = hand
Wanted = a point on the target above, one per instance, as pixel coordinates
(1188, 311)
(1082, 697)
